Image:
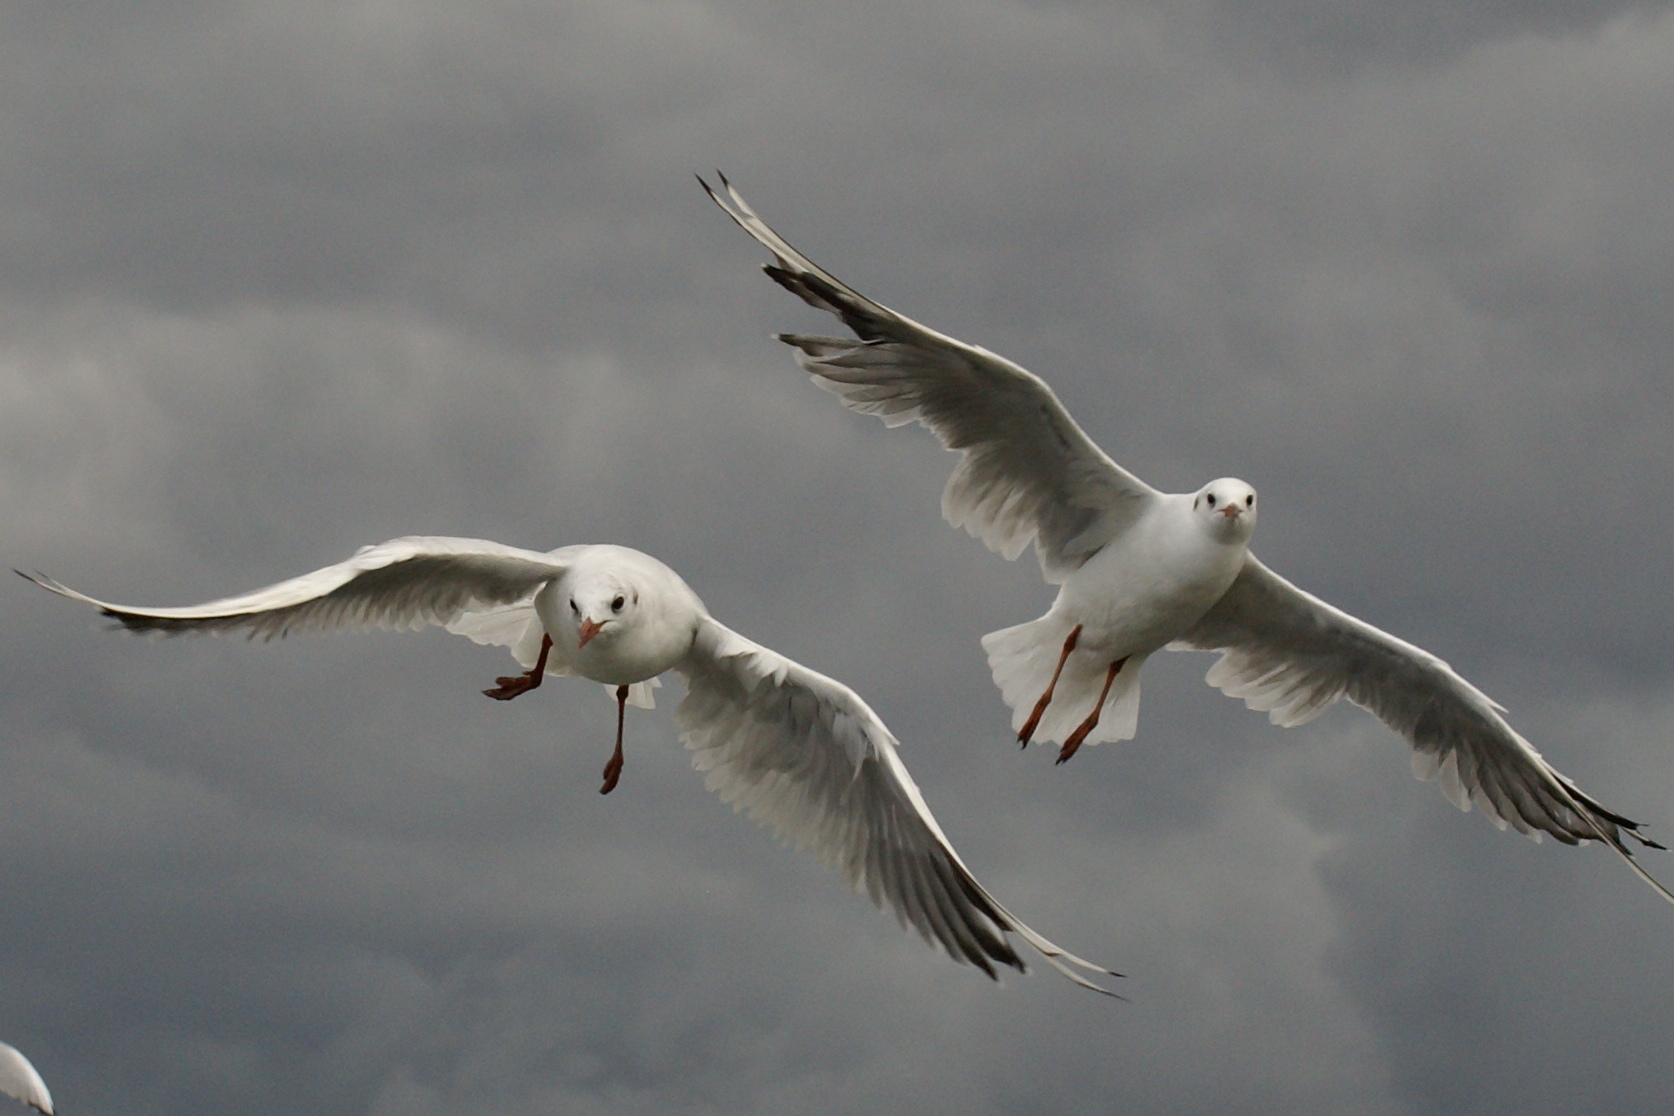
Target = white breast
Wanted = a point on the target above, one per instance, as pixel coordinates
(1150, 583)
(654, 636)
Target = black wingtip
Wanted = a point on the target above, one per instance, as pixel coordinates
(726, 184)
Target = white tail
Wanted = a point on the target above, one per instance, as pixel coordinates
(1022, 659)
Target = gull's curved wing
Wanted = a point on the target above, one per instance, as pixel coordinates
(802, 754)
(19, 1079)
(1291, 655)
(1028, 471)
(404, 583)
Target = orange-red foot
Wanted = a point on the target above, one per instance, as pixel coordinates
(612, 772)
(512, 685)
(1074, 739)
(1027, 732)
(613, 766)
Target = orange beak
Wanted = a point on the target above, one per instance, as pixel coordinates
(1232, 511)
(589, 629)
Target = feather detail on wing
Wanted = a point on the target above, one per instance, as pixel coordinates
(515, 626)
(1291, 655)
(404, 583)
(804, 755)
(1027, 472)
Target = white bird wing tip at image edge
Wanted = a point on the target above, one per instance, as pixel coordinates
(19, 1079)
(405, 583)
(1286, 652)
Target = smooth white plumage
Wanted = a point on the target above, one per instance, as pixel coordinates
(797, 751)
(18, 1079)
(1140, 570)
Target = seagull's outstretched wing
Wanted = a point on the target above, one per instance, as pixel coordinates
(1028, 471)
(1291, 655)
(403, 583)
(19, 1079)
(802, 754)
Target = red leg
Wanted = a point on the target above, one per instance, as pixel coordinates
(613, 768)
(1028, 730)
(1081, 731)
(513, 684)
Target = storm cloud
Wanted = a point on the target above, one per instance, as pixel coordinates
(278, 280)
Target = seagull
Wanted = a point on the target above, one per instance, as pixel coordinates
(1139, 570)
(799, 752)
(19, 1080)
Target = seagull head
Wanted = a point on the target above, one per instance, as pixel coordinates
(601, 607)
(1227, 506)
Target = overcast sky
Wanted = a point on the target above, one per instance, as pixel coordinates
(280, 279)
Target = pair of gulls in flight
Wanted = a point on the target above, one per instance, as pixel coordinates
(1137, 570)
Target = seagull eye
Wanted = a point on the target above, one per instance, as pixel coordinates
(1249, 501)
(616, 605)
(1211, 499)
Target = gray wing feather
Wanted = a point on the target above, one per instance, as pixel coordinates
(1292, 656)
(803, 754)
(1027, 472)
(404, 583)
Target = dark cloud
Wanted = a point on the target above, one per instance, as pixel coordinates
(278, 280)
(1321, 36)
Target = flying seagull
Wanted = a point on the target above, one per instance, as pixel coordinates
(799, 752)
(18, 1079)
(1139, 570)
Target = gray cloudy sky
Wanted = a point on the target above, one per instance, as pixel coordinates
(279, 279)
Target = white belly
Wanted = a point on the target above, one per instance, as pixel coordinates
(1149, 586)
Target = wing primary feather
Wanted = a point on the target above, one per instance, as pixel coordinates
(803, 755)
(1028, 472)
(953, 930)
(1288, 652)
(404, 583)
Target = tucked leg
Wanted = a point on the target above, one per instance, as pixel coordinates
(1027, 732)
(1075, 738)
(613, 768)
(513, 684)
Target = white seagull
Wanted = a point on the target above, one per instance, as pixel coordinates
(799, 752)
(1139, 570)
(18, 1079)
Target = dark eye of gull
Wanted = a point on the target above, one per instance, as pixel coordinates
(1211, 499)
(1249, 501)
(616, 605)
